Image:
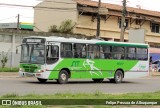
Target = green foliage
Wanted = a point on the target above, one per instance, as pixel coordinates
(65, 27)
(4, 59)
(5, 69)
(53, 29)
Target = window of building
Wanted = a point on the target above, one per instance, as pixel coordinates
(125, 24)
(155, 28)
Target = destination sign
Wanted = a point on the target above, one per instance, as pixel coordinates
(33, 40)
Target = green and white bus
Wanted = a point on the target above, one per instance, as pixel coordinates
(58, 58)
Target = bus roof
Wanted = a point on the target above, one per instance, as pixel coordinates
(92, 41)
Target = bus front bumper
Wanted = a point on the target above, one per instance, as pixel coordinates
(28, 74)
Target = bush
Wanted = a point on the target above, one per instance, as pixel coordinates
(5, 69)
(66, 26)
(53, 29)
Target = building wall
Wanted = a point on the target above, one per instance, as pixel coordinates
(53, 13)
(110, 28)
(8, 45)
(44, 18)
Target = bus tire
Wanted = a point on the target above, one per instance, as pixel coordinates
(98, 80)
(118, 77)
(63, 77)
(42, 80)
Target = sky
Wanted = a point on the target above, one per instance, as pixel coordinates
(9, 13)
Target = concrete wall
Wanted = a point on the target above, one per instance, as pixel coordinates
(53, 13)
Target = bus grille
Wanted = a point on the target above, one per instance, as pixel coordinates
(30, 68)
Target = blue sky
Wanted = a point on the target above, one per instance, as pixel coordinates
(8, 14)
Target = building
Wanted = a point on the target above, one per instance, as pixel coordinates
(84, 12)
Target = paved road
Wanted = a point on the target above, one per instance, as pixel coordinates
(24, 86)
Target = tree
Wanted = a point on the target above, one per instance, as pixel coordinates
(65, 27)
(4, 59)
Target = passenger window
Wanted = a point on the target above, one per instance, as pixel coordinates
(106, 50)
(130, 53)
(79, 50)
(142, 53)
(93, 51)
(52, 54)
(118, 53)
(66, 50)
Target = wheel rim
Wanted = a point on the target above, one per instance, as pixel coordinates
(63, 77)
(118, 77)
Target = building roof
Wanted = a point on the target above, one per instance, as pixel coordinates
(119, 8)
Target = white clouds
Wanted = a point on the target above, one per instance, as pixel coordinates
(28, 13)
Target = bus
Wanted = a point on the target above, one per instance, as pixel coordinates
(60, 59)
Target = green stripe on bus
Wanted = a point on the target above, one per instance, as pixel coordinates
(122, 44)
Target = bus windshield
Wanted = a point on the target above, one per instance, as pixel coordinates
(32, 53)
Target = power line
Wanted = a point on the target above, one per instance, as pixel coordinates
(7, 18)
(43, 7)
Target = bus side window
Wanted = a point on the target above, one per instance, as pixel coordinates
(130, 53)
(142, 53)
(52, 54)
(66, 50)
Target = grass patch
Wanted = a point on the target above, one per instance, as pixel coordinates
(96, 95)
(9, 69)
(85, 96)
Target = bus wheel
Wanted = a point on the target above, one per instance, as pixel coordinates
(118, 77)
(63, 77)
(42, 80)
(97, 80)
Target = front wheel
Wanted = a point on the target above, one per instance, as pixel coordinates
(42, 80)
(63, 77)
(97, 80)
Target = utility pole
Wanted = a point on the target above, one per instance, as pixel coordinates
(98, 20)
(123, 21)
(18, 22)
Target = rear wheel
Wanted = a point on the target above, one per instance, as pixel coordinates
(98, 80)
(42, 80)
(118, 77)
(63, 77)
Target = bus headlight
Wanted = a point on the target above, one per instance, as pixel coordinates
(21, 69)
(40, 71)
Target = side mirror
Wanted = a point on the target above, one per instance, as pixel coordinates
(17, 51)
